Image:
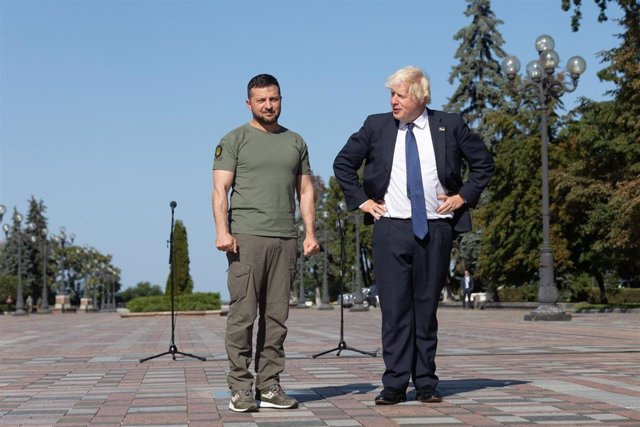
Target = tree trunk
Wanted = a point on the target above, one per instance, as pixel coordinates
(603, 292)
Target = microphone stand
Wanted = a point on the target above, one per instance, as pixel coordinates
(173, 350)
(342, 345)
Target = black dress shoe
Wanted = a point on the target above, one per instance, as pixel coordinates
(428, 395)
(390, 396)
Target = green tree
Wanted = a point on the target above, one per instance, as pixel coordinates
(478, 71)
(314, 265)
(577, 13)
(179, 270)
(36, 232)
(142, 289)
(334, 198)
(509, 255)
(480, 91)
(599, 181)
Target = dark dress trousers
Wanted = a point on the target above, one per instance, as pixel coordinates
(410, 273)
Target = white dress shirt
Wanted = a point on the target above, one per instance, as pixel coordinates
(396, 200)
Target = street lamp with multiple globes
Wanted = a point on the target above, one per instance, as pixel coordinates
(358, 296)
(545, 85)
(44, 307)
(63, 300)
(301, 296)
(16, 233)
(325, 305)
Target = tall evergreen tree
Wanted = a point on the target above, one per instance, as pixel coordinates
(35, 248)
(180, 262)
(480, 91)
(478, 72)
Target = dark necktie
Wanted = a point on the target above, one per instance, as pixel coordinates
(415, 190)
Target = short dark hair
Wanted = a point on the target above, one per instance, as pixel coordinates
(262, 80)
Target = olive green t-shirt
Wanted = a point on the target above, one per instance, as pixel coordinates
(266, 166)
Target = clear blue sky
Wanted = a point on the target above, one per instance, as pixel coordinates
(110, 109)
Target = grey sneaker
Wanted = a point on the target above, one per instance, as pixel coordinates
(242, 401)
(275, 397)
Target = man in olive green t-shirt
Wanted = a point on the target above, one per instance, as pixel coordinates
(264, 165)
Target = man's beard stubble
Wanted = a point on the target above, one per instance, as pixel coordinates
(265, 121)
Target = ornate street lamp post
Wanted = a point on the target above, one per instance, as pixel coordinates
(16, 232)
(545, 85)
(44, 307)
(301, 298)
(324, 305)
(63, 300)
(358, 295)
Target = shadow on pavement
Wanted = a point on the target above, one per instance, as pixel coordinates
(452, 387)
(321, 393)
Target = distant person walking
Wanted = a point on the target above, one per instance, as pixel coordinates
(466, 287)
(264, 165)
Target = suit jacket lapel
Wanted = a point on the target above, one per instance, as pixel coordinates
(388, 138)
(438, 133)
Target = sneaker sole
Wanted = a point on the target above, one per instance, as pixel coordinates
(263, 404)
(249, 409)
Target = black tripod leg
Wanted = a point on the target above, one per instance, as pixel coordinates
(368, 353)
(190, 355)
(326, 352)
(153, 357)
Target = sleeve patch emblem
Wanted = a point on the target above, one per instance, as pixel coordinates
(218, 151)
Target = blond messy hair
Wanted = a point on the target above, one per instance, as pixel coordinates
(415, 78)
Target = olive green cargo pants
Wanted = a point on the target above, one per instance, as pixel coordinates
(259, 281)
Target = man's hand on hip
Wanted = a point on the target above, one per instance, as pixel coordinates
(374, 208)
(449, 203)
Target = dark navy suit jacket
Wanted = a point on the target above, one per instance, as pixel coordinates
(453, 142)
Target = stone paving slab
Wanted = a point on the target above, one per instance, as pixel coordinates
(78, 369)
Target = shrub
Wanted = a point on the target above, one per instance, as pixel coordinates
(523, 293)
(185, 302)
(575, 288)
(618, 295)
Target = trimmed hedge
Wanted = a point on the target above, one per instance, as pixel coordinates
(198, 301)
(617, 295)
(529, 293)
(605, 308)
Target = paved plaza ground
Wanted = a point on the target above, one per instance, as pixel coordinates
(495, 369)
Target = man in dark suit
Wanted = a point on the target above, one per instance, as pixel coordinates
(413, 190)
(466, 289)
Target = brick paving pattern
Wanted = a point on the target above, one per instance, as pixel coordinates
(495, 368)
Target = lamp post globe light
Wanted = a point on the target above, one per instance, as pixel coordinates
(542, 83)
(16, 233)
(325, 305)
(44, 306)
(63, 301)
